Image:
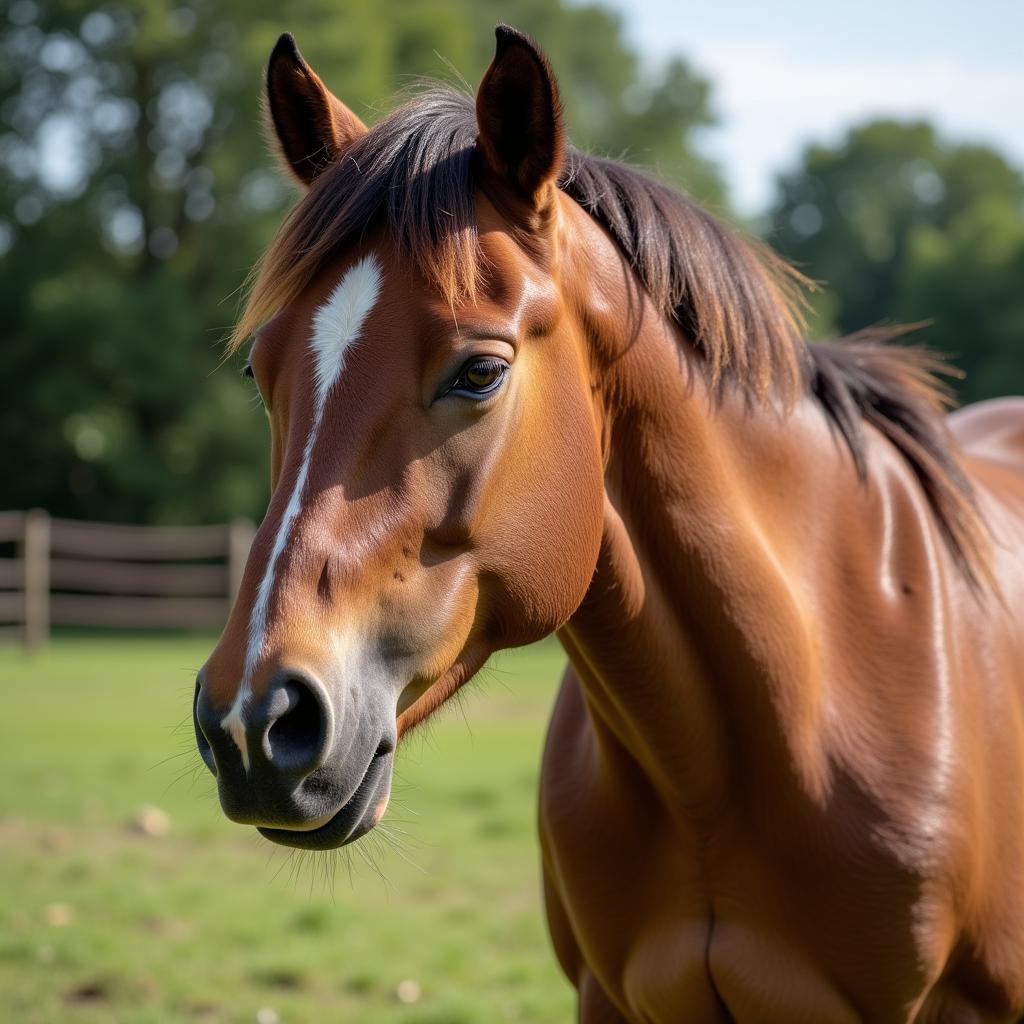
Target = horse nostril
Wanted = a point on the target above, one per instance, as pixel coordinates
(205, 750)
(298, 725)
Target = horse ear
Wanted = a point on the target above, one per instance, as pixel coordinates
(312, 126)
(519, 115)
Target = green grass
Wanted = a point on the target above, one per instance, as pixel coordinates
(101, 922)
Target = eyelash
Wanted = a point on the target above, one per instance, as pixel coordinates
(460, 385)
(251, 381)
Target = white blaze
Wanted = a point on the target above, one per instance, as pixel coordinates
(336, 326)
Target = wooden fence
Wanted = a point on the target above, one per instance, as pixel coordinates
(66, 573)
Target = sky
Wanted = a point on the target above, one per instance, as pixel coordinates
(786, 72)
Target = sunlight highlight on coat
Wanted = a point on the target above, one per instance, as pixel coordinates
(336, 326)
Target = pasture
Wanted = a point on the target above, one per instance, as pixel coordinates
(114, 913)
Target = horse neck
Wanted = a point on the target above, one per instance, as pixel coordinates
(693, 644)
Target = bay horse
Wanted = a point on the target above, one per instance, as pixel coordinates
(515, 389)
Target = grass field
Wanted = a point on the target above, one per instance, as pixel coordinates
(103, 920)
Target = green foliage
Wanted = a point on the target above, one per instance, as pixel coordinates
(135, 193)
(900, 225)
(970, 279)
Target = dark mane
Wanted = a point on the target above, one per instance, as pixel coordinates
(899, 390)
(739, 302)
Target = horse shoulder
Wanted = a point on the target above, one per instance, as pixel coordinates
(994, 428)
(991, 438)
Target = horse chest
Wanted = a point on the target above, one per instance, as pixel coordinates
(643, 927)
(644, 924)
(681, 920)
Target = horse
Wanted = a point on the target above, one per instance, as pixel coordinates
(516, 390)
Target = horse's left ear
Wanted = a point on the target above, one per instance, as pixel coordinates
(313, 127)
(519, 115)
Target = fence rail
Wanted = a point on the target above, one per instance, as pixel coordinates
(67, 573)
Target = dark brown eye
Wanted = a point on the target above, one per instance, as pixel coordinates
(481, 376)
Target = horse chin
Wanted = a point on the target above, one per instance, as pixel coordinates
(351, 821)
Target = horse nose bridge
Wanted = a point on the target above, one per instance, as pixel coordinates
(289, 540)
(261, 559)
(335, 561)
(292, 568)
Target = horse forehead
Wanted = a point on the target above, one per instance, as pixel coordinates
(401, 301)
(290, 336)
(405, 310)
(413, 325)
(513, 263)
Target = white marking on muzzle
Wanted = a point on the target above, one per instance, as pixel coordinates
(234, 724)
(336, 327)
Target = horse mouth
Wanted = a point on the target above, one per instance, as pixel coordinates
(353, 819)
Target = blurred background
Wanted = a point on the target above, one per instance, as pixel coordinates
(135, 193)
(878, 148)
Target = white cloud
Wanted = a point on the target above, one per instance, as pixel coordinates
(772, 102)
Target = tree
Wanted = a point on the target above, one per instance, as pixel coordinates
(970, 279)
(900, 224)
(135, 194)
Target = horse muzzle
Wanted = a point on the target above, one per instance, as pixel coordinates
(295, 768)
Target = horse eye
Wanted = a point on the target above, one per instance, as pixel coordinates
(481, 376)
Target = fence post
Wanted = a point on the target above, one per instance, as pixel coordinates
(240, 535)
(36, 561)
